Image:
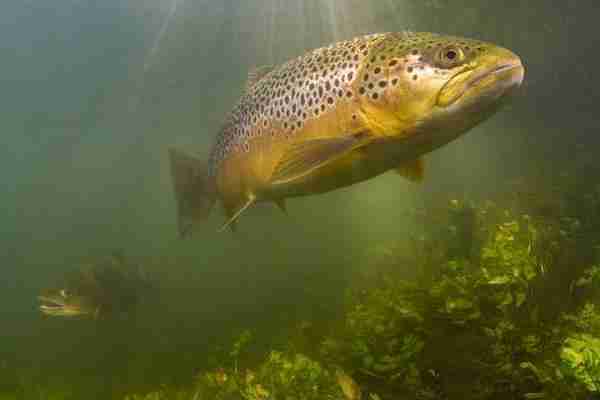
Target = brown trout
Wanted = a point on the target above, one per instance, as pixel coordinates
(343, 114)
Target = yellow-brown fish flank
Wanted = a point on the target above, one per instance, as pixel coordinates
(343, 114)
(284, 100)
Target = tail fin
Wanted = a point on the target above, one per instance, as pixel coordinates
(194, 192)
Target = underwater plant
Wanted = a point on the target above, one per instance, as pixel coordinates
(502, 305)
(580, 358)
(484, 298)
(281, 375)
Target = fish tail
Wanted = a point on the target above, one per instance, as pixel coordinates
(195, 192)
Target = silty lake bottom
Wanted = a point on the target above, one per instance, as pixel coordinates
(482, 281)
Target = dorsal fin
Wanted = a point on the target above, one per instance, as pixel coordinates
(257, 74)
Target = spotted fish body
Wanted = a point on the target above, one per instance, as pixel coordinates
(343, 114)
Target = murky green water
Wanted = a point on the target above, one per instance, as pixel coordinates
(478, 283)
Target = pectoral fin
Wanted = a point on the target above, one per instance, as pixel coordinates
(413, 170)
(234, 213)
(304, 157)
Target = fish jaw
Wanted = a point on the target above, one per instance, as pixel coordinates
(499, 75)
(470, 96)
(62, 306)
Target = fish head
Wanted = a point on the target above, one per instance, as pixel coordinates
(66, 303)
(429, 82)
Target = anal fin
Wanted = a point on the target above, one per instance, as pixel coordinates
(413, 170)
(281, 204)
(306, 156)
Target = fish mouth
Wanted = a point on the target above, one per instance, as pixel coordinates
(56, 306)
(493, 81)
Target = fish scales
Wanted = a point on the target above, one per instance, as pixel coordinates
(283, 100)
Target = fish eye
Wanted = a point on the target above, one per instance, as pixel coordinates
(450, 56)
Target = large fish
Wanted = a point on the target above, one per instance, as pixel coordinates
(343, 114)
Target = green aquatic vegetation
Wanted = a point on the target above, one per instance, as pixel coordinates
(587, 320)
(381, 333)
(580, 358)
(499, 277)
(481, 286)
(508, 263)
(291, 376)
(482, 298)
(590, 278)
(280, 375)
(453, 295)
(158, 395)
(239, 345)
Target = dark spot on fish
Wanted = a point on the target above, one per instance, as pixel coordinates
(366, 77)
(371, 86)
(362, 90)
(348, 94)
(415, 52)
(393, 62)
(375, 96)
(382, 84)
(409, 69)
(377, 70)
(394, 81)
(340, 93)
(414, 77)
(350, 75)
(327, 85)
(330, 100)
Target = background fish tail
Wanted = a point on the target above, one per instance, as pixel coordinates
(194, 190)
